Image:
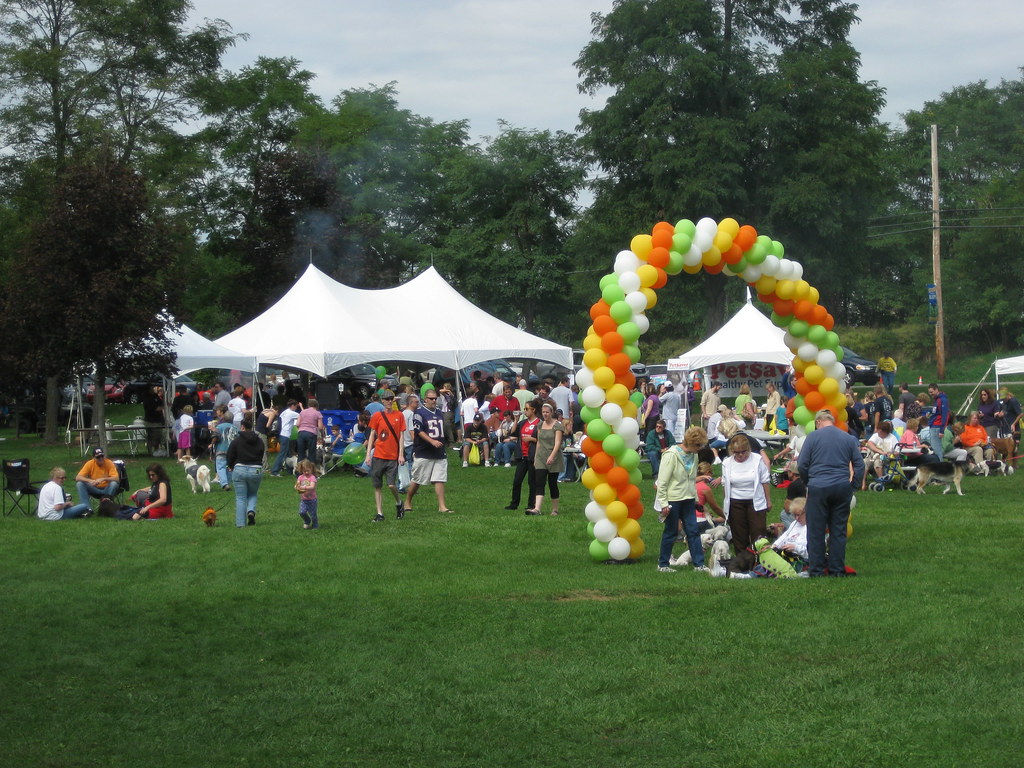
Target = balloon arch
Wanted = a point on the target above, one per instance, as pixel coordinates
(619, 319)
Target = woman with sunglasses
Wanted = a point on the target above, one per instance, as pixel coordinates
(747, 499)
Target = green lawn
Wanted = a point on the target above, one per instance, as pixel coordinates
(490, 638)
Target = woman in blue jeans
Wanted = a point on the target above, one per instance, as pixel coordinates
(676, 498)
(245, 459)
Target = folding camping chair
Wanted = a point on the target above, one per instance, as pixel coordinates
(122, 478)
(17, 485)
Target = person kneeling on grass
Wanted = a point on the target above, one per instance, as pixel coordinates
(54, 504)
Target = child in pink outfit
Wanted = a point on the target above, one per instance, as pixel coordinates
(306, 486)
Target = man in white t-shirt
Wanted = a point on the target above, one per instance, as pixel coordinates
(237, 406)
(562, 396)
(288, 417)
(469, 406)
(54, 503)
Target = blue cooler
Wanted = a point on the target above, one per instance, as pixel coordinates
(344, 419)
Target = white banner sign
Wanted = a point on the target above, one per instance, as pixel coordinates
(733, 375)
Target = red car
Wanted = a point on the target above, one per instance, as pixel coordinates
(114, 391)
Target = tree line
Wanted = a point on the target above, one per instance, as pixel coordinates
(139, 177)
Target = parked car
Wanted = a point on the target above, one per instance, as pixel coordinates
(113, 390)
(858, 368)
(499, 369)
(134, 390)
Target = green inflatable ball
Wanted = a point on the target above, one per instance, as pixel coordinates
(612, 293)
(381, 371)
(355, 453)
(777, 249)
(621, 312)
(614, 445)
(428, 387)
(632, 352)
(598, 430)
(629, 461)
(740, 265)
(818, 335)
(598, 551)
(636, 399)
(832, 342)
(610, 279)
(757, 254)
(636, 478)
(590, 530)
(681, 241)
(687, 226)
(799, 328)
(629, 331)
(588, 414)
(801, 415)
(782, 321)
(675, 263)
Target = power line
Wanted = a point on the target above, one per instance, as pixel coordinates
(945, 226)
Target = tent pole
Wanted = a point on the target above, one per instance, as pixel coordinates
(966, 407)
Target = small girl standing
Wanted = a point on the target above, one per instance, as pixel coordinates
(185, 424)
(306, 486)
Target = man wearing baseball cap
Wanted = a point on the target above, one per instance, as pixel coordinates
(97, 477)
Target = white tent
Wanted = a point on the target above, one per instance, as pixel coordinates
(194, 351)
(322, 326)
(749, 336)
(1008, 365)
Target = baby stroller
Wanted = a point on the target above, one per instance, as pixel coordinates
(893, 472)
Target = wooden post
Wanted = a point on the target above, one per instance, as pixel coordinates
(940, 342)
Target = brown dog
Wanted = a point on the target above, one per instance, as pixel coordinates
(1008, 448)
(210, 517)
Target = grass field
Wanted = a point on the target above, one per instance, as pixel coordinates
(490, 638)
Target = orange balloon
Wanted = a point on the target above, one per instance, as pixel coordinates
(612, 342)
(733, 254)
(802, 385)
(746, 237)
(600, 307)
(618, 477)
(590, 447)
(601, 462)
(658, 257)
(767, 298)
(819, 315)
(627, 379)
(629, 495)
(662, 279)
(663, 225)
(618, 362)
(829, 322)
(714, 269)
(662, 238)
(843, 426)
(783, 307)
(814, 401)
(804, 310)
(790, 407)
(604, 324)
(636, 511)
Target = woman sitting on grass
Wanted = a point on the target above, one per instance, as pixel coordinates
(158, 499)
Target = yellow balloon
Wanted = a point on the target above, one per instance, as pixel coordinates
(629, 529)
(799, 365)
(604, 494)
(591, 479)
(814, 374)
(617, 512)
(636, 549)
(629, 410)
(730, 226)
(593, 341)
(595, 358)
(765, 284)
(692, 270)
(711, 256)
(591, 331)
(838, 401)
(604, 377)
(828, 388)
(648, 275)
(784, 289)
(802, 290)
(812, 295)
(723, 241)
(641, 245)
(618, 394)
(652, 297)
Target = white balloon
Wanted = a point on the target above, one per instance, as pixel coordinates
(838, 372)
(627, 261)
(628, 426)
(693, 256)
(798, 270)
(584, 377)
(605, 530)
(788, 338)
(785, 269)
(842, 384)
(637, 301)
(642, 323)
(808, 351)
(708, 226)
(592, 396)
(618, 548)
(703, 241)
(727, 271)
(853, 502)
(752, 273)
(826, 358)
(632, 441)
(594, 512)
(770, 265)
(612, 414)
(629, 282)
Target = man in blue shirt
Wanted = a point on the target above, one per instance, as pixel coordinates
(831, 467)
(429, 460)
(939, 419)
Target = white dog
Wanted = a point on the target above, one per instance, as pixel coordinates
(715, 540)
(198, 475)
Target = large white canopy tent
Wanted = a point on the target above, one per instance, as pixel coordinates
(322, 326)
(749, 336)
(194, 351)
(1008, 365)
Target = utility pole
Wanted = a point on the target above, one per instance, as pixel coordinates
(940, 334)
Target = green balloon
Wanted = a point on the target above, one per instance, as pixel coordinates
(740, 265)
(778, 249)
(818, 335)
(781, 320)
(355, 453)
(629, 331)
(675, 263)
(613, 445)
(610, 279)
(756, 254)
(636, 399)
(681, 241)
(588, 414)
(765, 241)
(381, 371)
(632, 352)
(838, 350)
(809, 426)
(612, 293)
(635, 477)
(799, 328)
(687, 226)
(427, 387)
(621, 312)
(598, 551)
(629, 461)
(598, 429)
(590, 530)
(801, 415)
(832, 342)
(798, 401)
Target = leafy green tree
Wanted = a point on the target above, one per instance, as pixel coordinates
(743, 108)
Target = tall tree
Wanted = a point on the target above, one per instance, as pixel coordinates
(744, 108)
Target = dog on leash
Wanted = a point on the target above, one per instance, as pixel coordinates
(1007, 448)
(994, 467)
(210, 517)
(941, 472)
(198, 475)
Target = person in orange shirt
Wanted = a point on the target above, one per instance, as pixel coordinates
(386, 446)
(97, 477)
(974, 438)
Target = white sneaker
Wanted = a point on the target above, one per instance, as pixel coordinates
(718, 571)
(740, 576)
(702, 569)
(509, 464)
(465, 463)
(665, 569)
(487, 463)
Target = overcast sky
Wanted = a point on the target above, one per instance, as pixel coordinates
(512, 60)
